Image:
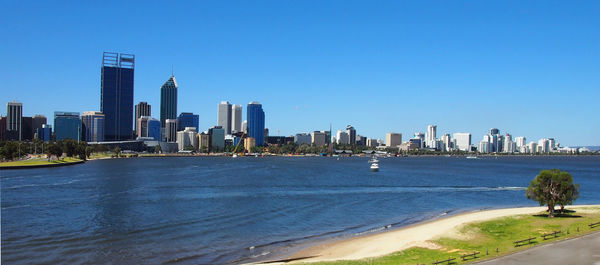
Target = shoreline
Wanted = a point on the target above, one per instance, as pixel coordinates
(45, 165)
(390, 241)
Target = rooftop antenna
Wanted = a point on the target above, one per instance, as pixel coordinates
(172, 70)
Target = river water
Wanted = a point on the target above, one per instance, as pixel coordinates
(219, 210)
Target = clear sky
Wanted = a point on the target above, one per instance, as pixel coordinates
(529, 68)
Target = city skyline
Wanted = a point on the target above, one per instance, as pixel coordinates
(537, 81)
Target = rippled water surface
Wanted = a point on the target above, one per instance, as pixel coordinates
(222, 210)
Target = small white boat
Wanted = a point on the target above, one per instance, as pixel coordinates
(373, 160)
(375, 167)
(234, 156)
(472, 157)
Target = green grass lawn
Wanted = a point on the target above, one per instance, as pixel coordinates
(36, 162)
(487, 236)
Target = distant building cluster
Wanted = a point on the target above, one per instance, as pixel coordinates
(121, 123)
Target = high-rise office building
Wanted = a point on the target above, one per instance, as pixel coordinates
(431, 136)
(171, 130)
(148, 127)
(203, 142)
(14, 121)
(236, 118)
(256, 122)
(217, 138)
(532, 147)
(351, 134)
(27, 129)
(67, 125)
(421, 139)
(463, 141)
(393, 139)
(188, 119)
(2, 127)
(318, 138)
(44, 133)
(116, 99)
(154, 129)
(224, 116)
(141, 125)
(245, 126)
(93, 126)
(38, 122)
(551, 144)
(543, 145)
(168, 100)
(371, 142)
(447, 142)
(509, 146)
(520, 141)
(342, 137)
(302, 138)
(484, 147)
(187, 139)
(141, 109)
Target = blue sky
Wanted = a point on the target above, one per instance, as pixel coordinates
(529, 68)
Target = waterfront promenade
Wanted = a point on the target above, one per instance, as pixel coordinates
(582, 250)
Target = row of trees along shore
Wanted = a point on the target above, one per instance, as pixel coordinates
(11, 150)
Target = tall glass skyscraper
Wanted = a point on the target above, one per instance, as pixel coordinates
(168, 101)
(116, 98)
(188, 119)
(67, 125)
(256, 122)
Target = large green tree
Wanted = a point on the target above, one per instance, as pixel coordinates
(553, 187)
(54, 149)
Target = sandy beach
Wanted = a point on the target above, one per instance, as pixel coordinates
(417, 235)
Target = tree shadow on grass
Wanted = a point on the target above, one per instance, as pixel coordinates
(558, 215)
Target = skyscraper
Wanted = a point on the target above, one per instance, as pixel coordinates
(14, 121)
(224, 116)
(148, 127)
(93, 126)
(236, 118)
(351, 134)
(171, 130)
(141, 109)
(2, 127)
(27, 128)
(168, 100)
(463, 141)
(217, 138)
(431, 136)
(67, 125)
(38, 122)
(447, 142)
(116, 99)
(256, 122)
(44, 133)
(342, 137)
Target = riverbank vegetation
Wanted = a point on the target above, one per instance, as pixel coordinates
(493, 238)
